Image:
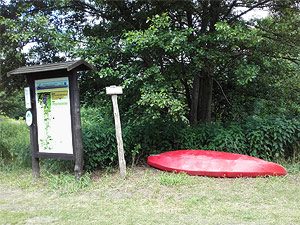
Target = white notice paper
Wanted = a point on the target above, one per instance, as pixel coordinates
(54, 115)
(27, 98)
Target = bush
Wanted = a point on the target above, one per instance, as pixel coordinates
(229, 138)
(214, 136)
(151, 136)
(273, 138)
(268, 138)
(14, 141)
(195, 137)
(12, 104)
(99, 142)
(141, 138)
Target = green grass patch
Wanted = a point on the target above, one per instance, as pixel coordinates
(173, 179)
(147, 196)
(65, 183)
(292, 168)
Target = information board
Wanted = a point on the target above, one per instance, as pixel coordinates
(54, 116)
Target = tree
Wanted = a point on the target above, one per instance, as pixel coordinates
(223, 46)
(172, 56)
(10, 56)
(203, 53)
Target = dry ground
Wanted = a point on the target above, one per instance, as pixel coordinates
(147, 196)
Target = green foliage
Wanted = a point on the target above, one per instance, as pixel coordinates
(230, 138)
(14, 142)
(160, 87)
(216, 136)
(98, 138)
(150, 136)
(268, 138)
(198, 137)
(157, 52)
(12, 104)
(57, 166)
(273, 138)
(159, 36)
(141, 139)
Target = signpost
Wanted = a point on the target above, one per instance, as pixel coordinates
(53, 115)
(114, 91)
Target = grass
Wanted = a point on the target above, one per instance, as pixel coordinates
(147, 196)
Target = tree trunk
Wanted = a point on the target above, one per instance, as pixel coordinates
(201, 104)
(205, 99)
(202, 90)
(195, 100)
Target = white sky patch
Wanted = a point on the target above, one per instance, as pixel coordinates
(27, 47)
(30, 45)
(253, 14)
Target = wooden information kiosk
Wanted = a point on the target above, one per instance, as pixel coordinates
(53, 112)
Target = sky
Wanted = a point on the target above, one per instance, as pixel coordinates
(254, 14)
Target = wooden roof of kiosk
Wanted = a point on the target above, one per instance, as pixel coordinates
(78, 65)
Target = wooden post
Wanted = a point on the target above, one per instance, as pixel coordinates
(35, 161)
(113, 91)
(76, 126)
(35, 165)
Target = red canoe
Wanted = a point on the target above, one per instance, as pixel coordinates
(214, 164)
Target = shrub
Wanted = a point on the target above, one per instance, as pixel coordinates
(214, 136)
(98, 138)
(12, 104)
(14, 141)
(141, 138)
(151, 136)
(273, 138)
(268, 138)
(195, 137)
(229, 138)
